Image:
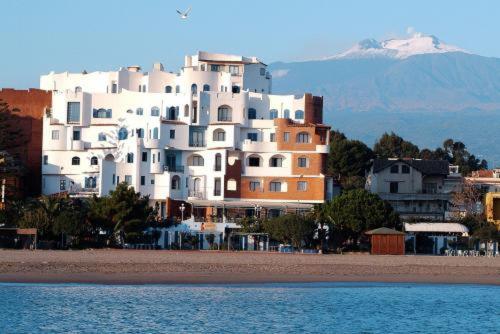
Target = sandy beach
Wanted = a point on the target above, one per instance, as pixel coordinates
(157, 267)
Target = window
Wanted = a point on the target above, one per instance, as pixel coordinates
(276, 162)
(62, 184)
(273, 113)
(90, 183)
(176, 182)
(101, 113)
(252, 113)
(196, 160)
(94, 161)
(430, 188)
(76, 135)
(232, 185)
(393, 187)
(139, 111)
(302, 162)
(152, 181)
(286, 137)
(254, 161)
(155, 133)
(172, 134)
(172, 113)
(78, 89)
(177, 89)
(218, 162)
(155, 111)
(262, 71)
(122, 134)
(272, 137)
(234, 69)
(128, 179)
(302, 186)
(252, 136)
(303, 138)
(299, 114)
(143, 180)
(114, 179)
(73, 112)
(118, 179)
(186, 110)
(224, 114)
(45, 159)
(286, 113)
(214, 68)
(394, 169)
(206, 88)
(144, 156)
(217, 186)
(144, 88)
(55, 134)
(75, 161)
(114, 87)
(101, 136)
(219, 135)
(140, 89)
(235, 89)
(405, 169)
(130, 158)
(168, 89)
(139, 132)
(254, 185)
(275, 186)
(194, 89)
(130, 111)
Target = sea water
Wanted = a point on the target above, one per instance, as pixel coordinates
(262, 308)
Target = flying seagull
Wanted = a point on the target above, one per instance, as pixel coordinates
(184, 15)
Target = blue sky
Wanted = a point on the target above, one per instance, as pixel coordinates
(39, 36)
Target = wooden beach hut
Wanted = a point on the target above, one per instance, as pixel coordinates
(386, 241)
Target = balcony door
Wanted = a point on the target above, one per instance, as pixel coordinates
(171, 163)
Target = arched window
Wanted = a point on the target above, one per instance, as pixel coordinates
(78, 89)
(254, 161)
(139, 111)
(130, 158)
(94, 161)
(303, 138)
(299, 114)
(130, 111)
(155, 111)
(75, 161)
(177, 89)
(303, 162)
(194, 89)
(273, 113)
(144, 88)
(186, 110)
(252, 113)
(224, 114)
(219, 135)
(168, 89)
(235, 89)
(176, 182)
(195, 160)
(109, 157)
(286, 113)
(155, 133)
(172, 113)
(276, 161)
(206, 88)
(218, 162)
(122, 134)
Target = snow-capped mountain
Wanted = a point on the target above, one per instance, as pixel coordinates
(417, 44)
(419, 87)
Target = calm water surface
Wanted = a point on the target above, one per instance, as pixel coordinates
(271, 308)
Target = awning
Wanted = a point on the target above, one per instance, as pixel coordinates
(248, 204)
(437, 228)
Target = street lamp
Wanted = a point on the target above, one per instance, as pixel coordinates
(182, 208)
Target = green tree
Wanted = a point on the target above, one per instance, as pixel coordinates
(457, 154)
(393, 146)
(72, 220)
(348, 160)
(297, 230)
(356, 211)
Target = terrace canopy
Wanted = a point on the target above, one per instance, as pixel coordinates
(451, 228)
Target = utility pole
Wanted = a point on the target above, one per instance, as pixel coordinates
(3, 194)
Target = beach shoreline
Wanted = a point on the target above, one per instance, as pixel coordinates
(113, 266)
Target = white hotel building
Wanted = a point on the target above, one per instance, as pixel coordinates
(211, 136)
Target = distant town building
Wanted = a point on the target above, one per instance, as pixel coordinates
(486, 180)
(416, 189)
(211, 136)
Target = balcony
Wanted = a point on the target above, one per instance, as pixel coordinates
(173, 169)
(195, 194)
(414, 196)
(198, 143)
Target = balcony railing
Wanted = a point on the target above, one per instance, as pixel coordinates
(197, 143)
(196, 194)
(173, 169)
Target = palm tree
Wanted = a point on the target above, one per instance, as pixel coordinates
(321, 215)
